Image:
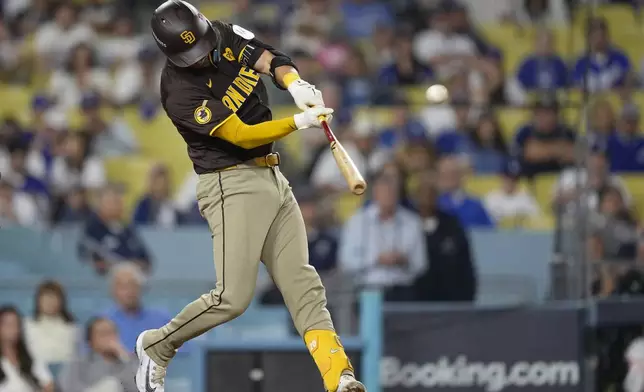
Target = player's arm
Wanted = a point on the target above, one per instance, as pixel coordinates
(241, 44)
(212, 118)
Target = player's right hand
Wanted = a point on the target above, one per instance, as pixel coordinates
(311, 117)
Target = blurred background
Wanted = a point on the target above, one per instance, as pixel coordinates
(499, 246)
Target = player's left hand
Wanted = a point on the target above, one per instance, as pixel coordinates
(305, 94)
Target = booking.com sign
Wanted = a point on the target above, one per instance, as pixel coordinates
(486, 376)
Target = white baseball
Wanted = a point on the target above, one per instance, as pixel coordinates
(436, 93)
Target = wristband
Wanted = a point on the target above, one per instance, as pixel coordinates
(289, 78)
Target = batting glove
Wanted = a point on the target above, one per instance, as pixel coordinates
(311, 117)
(305, 94)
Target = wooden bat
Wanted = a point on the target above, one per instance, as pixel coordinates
(349, 171)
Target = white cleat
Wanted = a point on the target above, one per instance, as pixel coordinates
(348, 383)
(149, 377)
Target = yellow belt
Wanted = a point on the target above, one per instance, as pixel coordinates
(270, 160)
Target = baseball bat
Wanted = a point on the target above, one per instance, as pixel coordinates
(349, 171)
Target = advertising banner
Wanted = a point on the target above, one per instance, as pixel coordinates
(476, 350)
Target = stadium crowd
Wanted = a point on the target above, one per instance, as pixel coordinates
(95, 58)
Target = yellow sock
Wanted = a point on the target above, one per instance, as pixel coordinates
(329, 356)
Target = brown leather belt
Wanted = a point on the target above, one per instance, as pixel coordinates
(270, 160)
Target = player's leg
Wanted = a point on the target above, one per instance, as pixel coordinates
(285, 254)
(239, 206)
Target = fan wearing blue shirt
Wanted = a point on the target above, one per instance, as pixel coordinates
(625, 147)
(404, 128)
(544, 69)
(607, 65)
(362, 16)
(128, 313)
(544, 145)
(456, 140)
(454, 200)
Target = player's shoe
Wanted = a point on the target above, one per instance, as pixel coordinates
(348, 383)
(149, 377)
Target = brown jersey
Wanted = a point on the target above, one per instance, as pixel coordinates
(197, 100)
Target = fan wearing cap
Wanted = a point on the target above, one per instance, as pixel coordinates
(510, 201)
(625, 147)
(212, 92)
(607, 65)
(544, 145)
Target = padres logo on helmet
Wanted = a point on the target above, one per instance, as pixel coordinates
(188, 37)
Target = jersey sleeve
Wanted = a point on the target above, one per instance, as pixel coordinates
(196, 112)
(238, 44)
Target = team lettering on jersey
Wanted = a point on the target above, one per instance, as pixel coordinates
(240, 89)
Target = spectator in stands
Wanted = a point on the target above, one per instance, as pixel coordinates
(602, 124)
(454, 200)
(75, 166)
(42, 133)
(440, 46)
(137, 81)
(361, 146)
(404, 69)
(309, 25)
(74, 208)
(362, 16)
(51, 334)
(416, 155)
(510, 202)
(17, 208)
(543, 70)
(544, 145)
(9, 52)
(449, 51)
(451, 275)
(106, 138)
(625, 147)
(358, 88)
(156, 208)
(19, 371)
(607, 65)
(595, 176)
(129, 314)
(81, 74)
(404, 126)
(537, 12)
(120, 44)
(107, 367)
(488, 152)
(382, 244)
(439, 117)
(22, 180)
(456, 140)
(615, 237)
(55, 39)
(106, 240)
(323, 244)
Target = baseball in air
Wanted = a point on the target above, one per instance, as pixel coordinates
(436, 93)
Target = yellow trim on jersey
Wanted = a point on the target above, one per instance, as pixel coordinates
(241, 53)
(235, 131)
(220, 124)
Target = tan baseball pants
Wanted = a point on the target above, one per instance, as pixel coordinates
(253, 216)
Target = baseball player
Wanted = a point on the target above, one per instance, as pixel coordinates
(212, 91)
